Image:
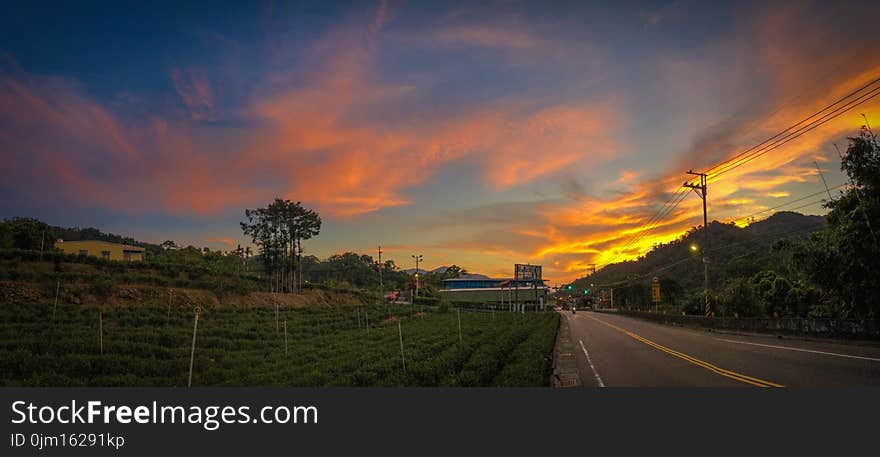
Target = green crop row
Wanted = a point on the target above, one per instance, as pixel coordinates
(322, 346)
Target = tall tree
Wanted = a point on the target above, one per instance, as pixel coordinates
(278, 231)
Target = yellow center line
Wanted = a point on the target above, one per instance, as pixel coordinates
(727, 373)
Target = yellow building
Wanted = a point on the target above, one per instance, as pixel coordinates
(103, 249)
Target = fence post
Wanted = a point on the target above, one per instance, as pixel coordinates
(192, 352)
(57, 289)
(402, 356)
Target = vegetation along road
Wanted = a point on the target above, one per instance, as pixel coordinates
(621, 351)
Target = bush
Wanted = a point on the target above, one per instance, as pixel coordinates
(102, 286)
(738, 297)
(431, 301)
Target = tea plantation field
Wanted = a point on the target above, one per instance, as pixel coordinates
(239, 346)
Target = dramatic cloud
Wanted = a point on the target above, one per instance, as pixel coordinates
(572, 139)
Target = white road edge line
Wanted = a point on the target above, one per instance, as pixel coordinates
(873, 359)
(590, 361)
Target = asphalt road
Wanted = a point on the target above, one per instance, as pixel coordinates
(620, 351)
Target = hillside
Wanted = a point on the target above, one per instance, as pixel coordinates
(734, 251)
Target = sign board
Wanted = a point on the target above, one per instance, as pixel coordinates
(527, 272)
(655, 291)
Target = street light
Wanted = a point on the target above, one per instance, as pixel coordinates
(417, 258)
(694, 248)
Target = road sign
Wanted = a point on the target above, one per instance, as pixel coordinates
(655, 290)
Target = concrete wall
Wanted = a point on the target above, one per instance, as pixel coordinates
(841, 328)
(492, 296)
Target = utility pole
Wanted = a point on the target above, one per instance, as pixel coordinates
(380, 269)
(700, 190)
(592, 268)
(418, 258)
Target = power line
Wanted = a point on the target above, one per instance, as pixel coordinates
(768, 140)
(781, 138)
(763, 148)
(757, 151)
(652, 223)
(789, 202)
(715, 249)
(763, 211)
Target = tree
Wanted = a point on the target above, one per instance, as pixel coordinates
(303, 224)
(278, 231)
(27, 233)
(738, 298)
(844, 258)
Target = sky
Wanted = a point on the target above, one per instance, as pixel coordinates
(476, 133)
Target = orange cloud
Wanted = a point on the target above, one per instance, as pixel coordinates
(350, 164)
(312, 135)
(194, 90)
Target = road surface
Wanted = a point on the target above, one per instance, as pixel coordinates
(620, 351)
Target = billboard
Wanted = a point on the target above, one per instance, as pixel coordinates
(526, 272)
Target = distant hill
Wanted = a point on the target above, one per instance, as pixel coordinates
(733, 251)
(474, 276)
(442, 269)
(784, 221)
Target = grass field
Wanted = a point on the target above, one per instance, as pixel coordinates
(237, 346)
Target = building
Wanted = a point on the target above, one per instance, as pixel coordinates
(102, 249)
(494, 290)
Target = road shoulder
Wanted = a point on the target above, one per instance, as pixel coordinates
(565, 370)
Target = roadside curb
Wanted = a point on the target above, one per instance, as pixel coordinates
(565, 371)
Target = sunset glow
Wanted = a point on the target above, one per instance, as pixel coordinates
(480, 134)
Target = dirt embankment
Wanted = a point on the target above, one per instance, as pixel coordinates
(15, 292)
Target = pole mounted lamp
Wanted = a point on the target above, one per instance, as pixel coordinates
(417, 258)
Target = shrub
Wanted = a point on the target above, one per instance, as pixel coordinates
(102, 286)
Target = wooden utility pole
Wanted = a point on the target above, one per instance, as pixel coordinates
(380, 268)
(700, 190)
(381, 287)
